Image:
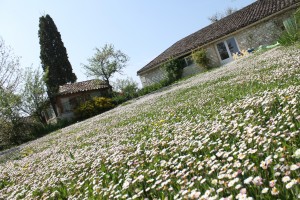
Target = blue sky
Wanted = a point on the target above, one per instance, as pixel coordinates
(141, 29)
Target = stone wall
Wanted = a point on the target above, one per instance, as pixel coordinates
(159, 74)
(212, 55)
(192, 69)
(264, 33)
(153, 76)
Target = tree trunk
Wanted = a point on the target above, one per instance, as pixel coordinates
(110, 91)
(41, 118)
(52, 102)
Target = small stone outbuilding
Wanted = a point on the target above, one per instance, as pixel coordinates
(259, 23)
(73, 94)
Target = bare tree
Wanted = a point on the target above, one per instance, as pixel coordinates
(217, 16)
(10, 79)
(10, 70)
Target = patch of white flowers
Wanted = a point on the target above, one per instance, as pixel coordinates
(159, 147)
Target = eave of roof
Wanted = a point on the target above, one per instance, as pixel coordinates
(241, 19)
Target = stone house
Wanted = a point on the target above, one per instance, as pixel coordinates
(73, 94)
(259, 23)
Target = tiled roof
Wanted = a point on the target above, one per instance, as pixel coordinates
(248, 15)
(72, 88)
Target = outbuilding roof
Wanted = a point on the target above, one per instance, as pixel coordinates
(71, 88)
(248, 15)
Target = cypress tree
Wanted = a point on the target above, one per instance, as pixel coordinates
(54, 58)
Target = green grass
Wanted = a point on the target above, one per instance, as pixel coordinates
(209, 137)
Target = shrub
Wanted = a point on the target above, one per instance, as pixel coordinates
(93, 107)
(38, 129)
(25, 130)
(174, 68)
(200, 58)
(292, 31)
(154, 87)
(102, 104)
(119, 98)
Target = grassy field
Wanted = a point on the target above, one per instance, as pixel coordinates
(231, 133)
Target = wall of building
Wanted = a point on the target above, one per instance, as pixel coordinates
(65, 109)
(212, 55)
(159, 74)
(153, 76)
(67, 116)
(264, 33)
(192, 69)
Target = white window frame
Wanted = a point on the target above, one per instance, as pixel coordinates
(230, 59)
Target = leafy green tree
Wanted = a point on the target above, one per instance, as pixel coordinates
(128, 87)
(35, 99)
(54, 58)
(106, 62)
(10, 79)
(10, 119)
(9, 105)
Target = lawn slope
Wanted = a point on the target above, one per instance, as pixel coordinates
(232, 132)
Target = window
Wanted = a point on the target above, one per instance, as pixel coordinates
(233, 48)
(188, 61)
(73, 102)
(226, 49)
(66, 107)
(76, 101)
(222, 51)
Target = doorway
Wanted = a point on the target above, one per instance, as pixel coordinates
(226, 49)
